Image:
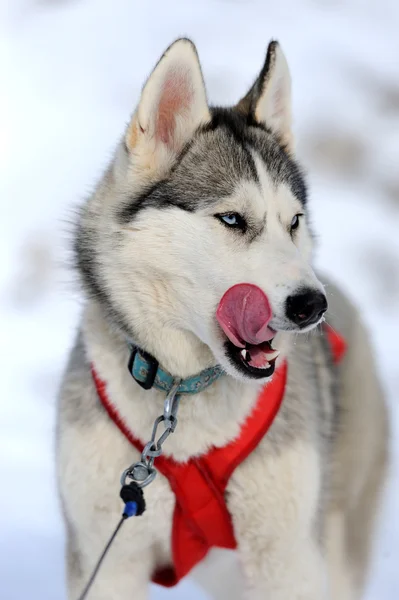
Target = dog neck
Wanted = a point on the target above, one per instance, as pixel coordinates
(210, 418)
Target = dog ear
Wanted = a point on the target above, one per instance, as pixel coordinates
(172, 106)
(269, 99)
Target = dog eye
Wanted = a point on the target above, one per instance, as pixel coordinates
(295, 222)
(233, 220)
(230, 220)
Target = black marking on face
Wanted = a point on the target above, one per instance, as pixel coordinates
(279, 165)
(233, 123)
(160, 195)
(217, 159)
(208, 169)
(254, 135)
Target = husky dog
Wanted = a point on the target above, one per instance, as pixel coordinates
(197, 202)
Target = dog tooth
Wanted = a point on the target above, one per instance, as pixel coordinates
(265, 366)
(273, 355)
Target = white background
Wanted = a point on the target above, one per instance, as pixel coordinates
(70, 74)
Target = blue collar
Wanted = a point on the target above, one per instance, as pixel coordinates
(145, 369)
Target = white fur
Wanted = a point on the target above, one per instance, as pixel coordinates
(340, 574)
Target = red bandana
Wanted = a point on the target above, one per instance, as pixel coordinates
(201, 519)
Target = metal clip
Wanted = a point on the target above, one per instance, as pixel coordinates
(171, 406)
(143, 472)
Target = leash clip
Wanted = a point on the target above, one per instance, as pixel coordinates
(171, 406)
(143, 472)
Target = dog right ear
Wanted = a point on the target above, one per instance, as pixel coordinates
(172, 106)
(269, 99)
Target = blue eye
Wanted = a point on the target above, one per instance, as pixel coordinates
(295, 222)
(233, 220)
(230, 220)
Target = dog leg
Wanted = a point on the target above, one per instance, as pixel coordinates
(274, 499)
(220, 575)
(288, 571)
(342, 586)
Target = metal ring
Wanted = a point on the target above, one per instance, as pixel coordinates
(128, 474)
(151, 449)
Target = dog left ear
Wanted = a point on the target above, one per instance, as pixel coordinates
(269, 99)
(172, 107)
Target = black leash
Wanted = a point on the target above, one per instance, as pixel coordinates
(132, 495)
(83, 595)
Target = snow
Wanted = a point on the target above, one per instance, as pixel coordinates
(71, 72)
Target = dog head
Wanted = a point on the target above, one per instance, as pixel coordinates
(196, 242)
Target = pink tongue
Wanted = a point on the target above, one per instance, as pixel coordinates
(243, 314)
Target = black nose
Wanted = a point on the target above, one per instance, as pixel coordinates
(306, 307)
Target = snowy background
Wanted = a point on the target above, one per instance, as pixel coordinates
(70, 74)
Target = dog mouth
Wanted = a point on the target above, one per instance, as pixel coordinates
(244, 314)
(256, 360)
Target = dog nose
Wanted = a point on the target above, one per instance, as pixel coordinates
(306, 308)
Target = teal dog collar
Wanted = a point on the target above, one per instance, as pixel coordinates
(145, 369)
